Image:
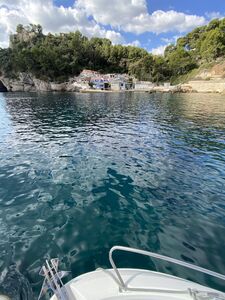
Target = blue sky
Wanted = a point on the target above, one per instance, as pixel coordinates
(206, 8)
(195, 7)
(151, 24)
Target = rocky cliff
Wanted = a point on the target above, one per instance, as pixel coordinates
(207, 79)
(28, 83)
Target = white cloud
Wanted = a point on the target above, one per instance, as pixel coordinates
(171, 40)
(214, 15)
(90, 17)
(133, 16)
(53, 19)
(159, 50)
(113, 12)
(135, 43)
(161, 21)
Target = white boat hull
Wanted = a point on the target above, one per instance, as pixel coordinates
(104, 285)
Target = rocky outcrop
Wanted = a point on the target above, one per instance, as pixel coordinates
(24, 83)
(184, 88)
(181, 88)
(194, 86)
(208, 80)
(42, 86)
(207, 86)
(217, 71)
(28, 83)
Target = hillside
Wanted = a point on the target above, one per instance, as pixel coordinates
(199, 50)
(206, 71)
(209, 77)
(59, 57)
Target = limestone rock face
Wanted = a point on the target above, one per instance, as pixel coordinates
(186, 88)
(58, 87)
(205, 86)
(24, 83)
(41, 85)
(73, 86)
(28, 83)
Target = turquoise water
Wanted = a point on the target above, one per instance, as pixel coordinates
(80, 173)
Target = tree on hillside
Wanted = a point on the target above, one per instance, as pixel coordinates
(213, 45)
(19, 28)
(142, 68)
(57, 57)
(181, 61)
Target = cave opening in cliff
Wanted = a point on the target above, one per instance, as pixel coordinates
(3, 88)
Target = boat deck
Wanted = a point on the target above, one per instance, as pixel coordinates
(103, 285)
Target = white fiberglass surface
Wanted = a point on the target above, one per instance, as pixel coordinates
(103, 285)
(142, 297)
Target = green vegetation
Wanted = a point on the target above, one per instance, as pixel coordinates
(200, 47)
(58, 57)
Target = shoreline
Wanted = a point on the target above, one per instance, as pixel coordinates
(118, 92)
(28, 83)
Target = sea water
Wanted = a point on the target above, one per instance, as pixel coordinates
(80, 173)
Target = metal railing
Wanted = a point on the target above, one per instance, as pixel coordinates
(53, 280)
(125, 286)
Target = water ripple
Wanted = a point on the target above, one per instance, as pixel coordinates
(81, 172)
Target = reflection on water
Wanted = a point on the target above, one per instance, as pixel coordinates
(80, 173)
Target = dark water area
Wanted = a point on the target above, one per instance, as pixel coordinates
(80, 173)
(3, 89)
